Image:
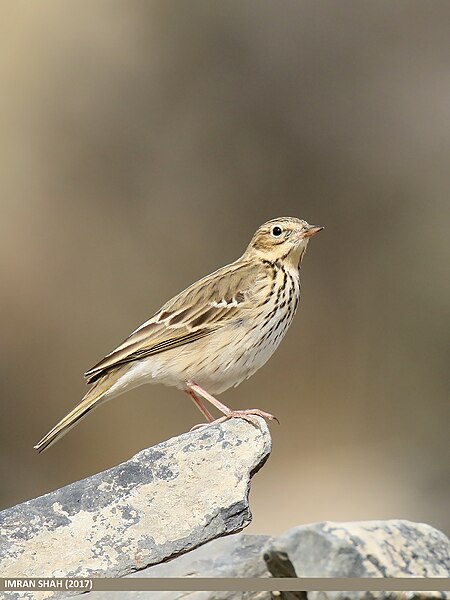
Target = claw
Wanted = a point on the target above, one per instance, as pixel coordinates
(199, 426)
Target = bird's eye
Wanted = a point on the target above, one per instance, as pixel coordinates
(276, 231)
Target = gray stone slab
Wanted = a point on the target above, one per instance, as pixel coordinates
(360, 549)
(163, 502)
(232, 556)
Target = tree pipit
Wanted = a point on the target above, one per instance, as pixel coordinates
(214, 334)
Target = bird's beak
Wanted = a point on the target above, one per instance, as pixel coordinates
(312, 230)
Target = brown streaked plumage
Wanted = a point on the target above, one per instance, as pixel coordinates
(214, 334)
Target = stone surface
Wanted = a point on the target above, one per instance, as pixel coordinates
(163, 502)
(360, 549)
(232, 556)
(173, 498)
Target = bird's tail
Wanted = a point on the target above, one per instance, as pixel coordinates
(97, 394)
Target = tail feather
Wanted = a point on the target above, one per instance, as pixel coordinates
(97, 394)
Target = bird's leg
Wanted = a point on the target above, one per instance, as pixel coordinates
(201, 407)
(227, 412)
(204, 394)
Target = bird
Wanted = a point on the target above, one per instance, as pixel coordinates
(214, 334)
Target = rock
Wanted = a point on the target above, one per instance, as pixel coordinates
(163, 502)
(232, 556)
(173, 498)
(360, 549)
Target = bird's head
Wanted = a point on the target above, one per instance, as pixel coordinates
(284, 240)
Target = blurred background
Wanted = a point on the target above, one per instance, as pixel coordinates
(141, 145)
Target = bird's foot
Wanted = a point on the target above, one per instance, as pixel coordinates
(247, 415)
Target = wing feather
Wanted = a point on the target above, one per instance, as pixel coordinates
(195, 313)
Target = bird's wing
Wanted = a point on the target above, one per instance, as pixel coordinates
(198, 311)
